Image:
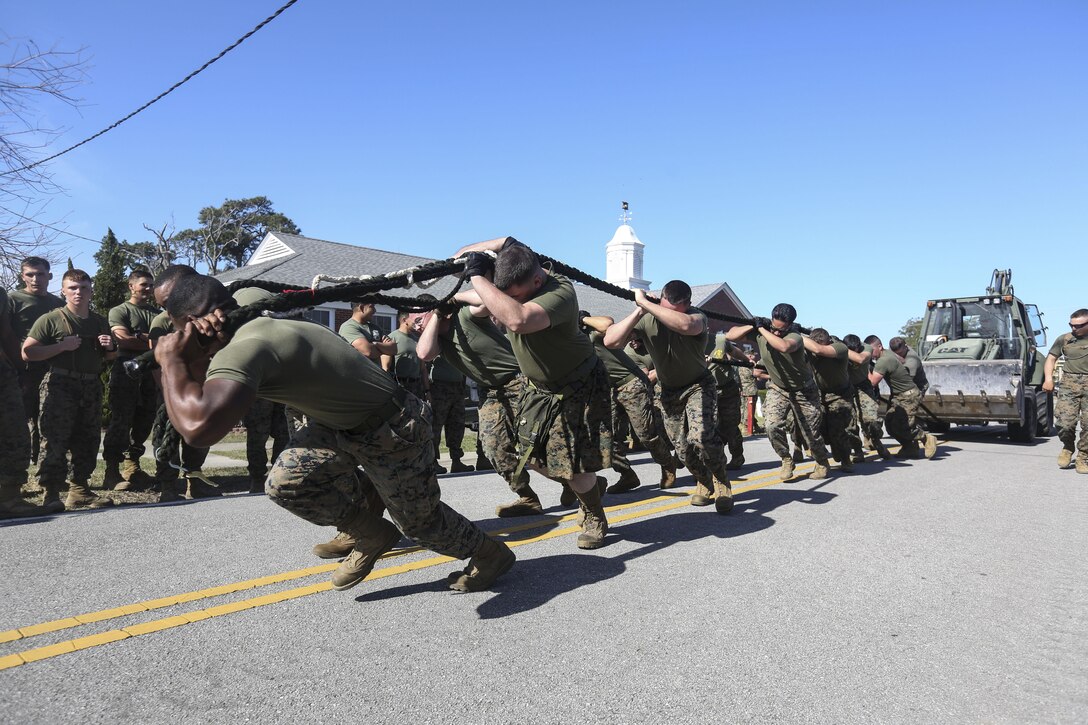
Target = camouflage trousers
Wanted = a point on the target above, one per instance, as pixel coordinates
(32, 401)
(499, 431)
(691, 422)
(729, 416)
(579, 437)
(805, 404)
(189, 458)
(448, 411)
(263, 419)
(901, 418)
(133, 403)
(15, 450)
(1071, 408)
(317, 478)
(633, 410)
(838, 413)
(867, 413)
(71, 421)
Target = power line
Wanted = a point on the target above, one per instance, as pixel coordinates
(49, 226)
(159, 97)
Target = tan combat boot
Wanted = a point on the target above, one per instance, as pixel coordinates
(1082, 464)
(523, 506)
(80, 494)
(374, 536)
(200, 487)
(702, 494)
(336, 548)
(169, 490)
(786, 473)
(112, 477)
(1065, 458)
(668, 476)
(930, 445)
(628, 482)
(488, 563)
(594, 520)
(135, 479)
(12, 504)
(723, 496)
(822, 470)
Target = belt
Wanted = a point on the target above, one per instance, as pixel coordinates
(381, 416)
(64, 372)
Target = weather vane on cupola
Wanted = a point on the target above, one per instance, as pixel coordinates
(625, 216)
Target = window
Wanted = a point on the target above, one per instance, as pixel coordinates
(383, 323)
(322, 317)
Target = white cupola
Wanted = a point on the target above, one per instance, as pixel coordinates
(623, 256)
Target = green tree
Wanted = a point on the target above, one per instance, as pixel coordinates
(111, 279)
(911, 331)
(228, 234)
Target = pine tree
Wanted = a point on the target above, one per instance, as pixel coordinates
(111, 279)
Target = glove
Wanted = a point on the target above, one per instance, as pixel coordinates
(761, 322)
(478, 264)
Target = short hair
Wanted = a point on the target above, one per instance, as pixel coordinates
(198, 294)
(172, 273)
(677, 292)
(402, 315)
(897, 343)
(515, 265)
(140, 274)
(871, 339)
(1082, 312)
(852, 342)
(785, 312)
(76, 275)
(34, 262)
(820, 336)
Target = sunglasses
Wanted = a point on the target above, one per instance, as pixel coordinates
(1076, 327)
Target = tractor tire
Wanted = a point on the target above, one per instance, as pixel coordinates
(1025, 432)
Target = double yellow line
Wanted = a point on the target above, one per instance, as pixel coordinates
(617, 514)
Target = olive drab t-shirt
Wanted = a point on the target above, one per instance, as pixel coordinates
(476, 347)
(27, 308)
(53, 327)
(643, 359)
(678, 359)
(406, 364)
(443, 372)
(160, 325)
(832, 373)
(1075, 350)
(621, 369)
(549, 356)
(353, 330)
(306, 366)
(724, 375)
(859, 372)
(894, 372)
(912, 361)
(134, 318)
(789, 371)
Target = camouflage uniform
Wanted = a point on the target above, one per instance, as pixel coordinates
(776, 418)
(838, 417)
(634, 410)
(691, 421)
(867, 411)
(1071, 408)
(317, 479)
(448, 411)
(133, 403)
(729, 404)
(901, 420)
(498, 431)
(71, 420)
(15, 451)
(264, 419)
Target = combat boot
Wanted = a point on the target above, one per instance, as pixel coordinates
(457, 467)
(168, 490)
(1082, 464)
(846, 465)
(1065, 458)
(787, 468)
(134, 477)
(482, 464)
(702, 494)
(374, 536)
(526, 505)
(822, 469)
(567, 496)
(112, 476)
(12, 504)
(735, 464)
(628, 482)
(256, 484)
(488, 563)
(858, 457)
(439, 469)
(723, 496)
(336, 548)
(930, 445)
(907, 451)
(200, 487)
(80, 494)
(882, 450)
(668, 476)
(594, 520)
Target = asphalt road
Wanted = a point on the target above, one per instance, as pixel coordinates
(952, 590)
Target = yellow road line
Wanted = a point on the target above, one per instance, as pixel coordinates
(73, 645)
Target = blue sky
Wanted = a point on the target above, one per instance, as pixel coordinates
(853, 158)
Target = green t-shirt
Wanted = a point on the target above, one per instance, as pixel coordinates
(724, 375)
(134, 318)
(353, 330)
(789, 371)
(894, 372)
(550, 355)
(443, 372)
(53, 327)
(832, 373)
(306, 366)
(476, 347)
(912, 361)
(859, 372)
(27, 308)
(406, 364)
(250, 295)
(621, 369)
(160, 325)
(642, 359)
(1075, 350)
(678, 359)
